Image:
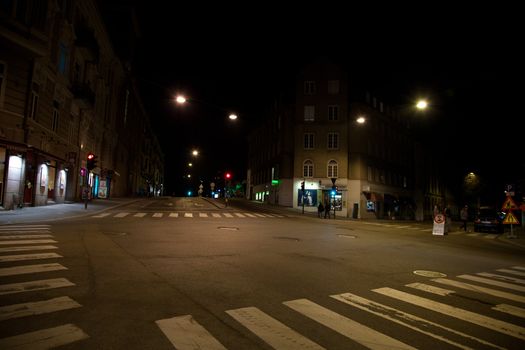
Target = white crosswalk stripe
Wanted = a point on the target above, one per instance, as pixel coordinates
(202, 215)
(187, 334)
(279, 335)
(30, 239)
(273, 332)
(45, 338)
(465, 315)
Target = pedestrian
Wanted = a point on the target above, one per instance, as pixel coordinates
(327, 210)
(448, 219)
(464, 217)
(320, 209)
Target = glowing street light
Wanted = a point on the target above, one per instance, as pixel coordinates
(195, 153)
(361, 120)
(421, 104)
(180, 99)
(232, 116)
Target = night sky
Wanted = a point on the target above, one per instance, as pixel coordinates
(228, 62)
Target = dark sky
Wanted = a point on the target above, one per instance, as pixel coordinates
(233, 61)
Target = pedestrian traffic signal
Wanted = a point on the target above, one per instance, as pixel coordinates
(91, 161)
(334, 191)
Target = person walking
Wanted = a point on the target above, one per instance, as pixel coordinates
(327, 210)
(320, 210)
(464, 217)
(448, 219)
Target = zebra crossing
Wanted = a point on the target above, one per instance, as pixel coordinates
(185, 332)
(426, 228)
(179, 215)
(31, 243)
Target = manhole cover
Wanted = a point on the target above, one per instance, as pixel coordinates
(228, 228)
(426, 273)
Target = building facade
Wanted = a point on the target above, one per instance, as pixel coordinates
(64, 94)
(373, 169)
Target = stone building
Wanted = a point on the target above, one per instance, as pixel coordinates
(64, 93)
(374, 167)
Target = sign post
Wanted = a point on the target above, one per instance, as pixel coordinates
(508, 206)
(438, 229)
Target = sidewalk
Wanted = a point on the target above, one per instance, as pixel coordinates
(54, 212)
(518, 239)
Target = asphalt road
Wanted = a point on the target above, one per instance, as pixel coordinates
(190, 274)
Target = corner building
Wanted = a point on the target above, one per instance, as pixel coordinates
(375, 169)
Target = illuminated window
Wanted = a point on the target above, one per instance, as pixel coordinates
(309, 113)
(308, 168)
(332, 169)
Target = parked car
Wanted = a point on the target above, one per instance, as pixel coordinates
(489, 219)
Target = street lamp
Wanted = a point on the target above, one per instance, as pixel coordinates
(422, 104)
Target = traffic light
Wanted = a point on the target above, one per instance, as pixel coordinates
(91, 161)
(334, 191)
(228, 176)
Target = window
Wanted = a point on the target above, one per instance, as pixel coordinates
(63, 55)
(309, 113)
(333, 87)
(333, 112)
(309, 87)
(3, 69)
(34, 101)
(308, 141)
(332, 169)
(333, 140)
(308, 168)
(56, 116)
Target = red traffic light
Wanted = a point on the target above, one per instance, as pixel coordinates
(228, 175)
(90, 156)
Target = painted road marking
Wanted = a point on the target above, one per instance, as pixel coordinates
(405, 319)
(37, 308)
(34, 285)
(240, 215)
(28, 241)
(368, 337)
(158, 215)
(465, 315)
(215, 215)
(140, 215)
(45, 338)
(510, 309)
(25, 236)
(103, 215)
(25, 227)
(203, 215)
(430, 289)
(249, 215)
(22, 257)
(25, 269)
(494, 283)
(121, 215)
(479, 289)
(26, 248)
(228, 215)
(174, 215)
(501, 277)
(187, 334)
(518, 267)
(273, 332)
(512, 272)
(188, 215)
(259, 215)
